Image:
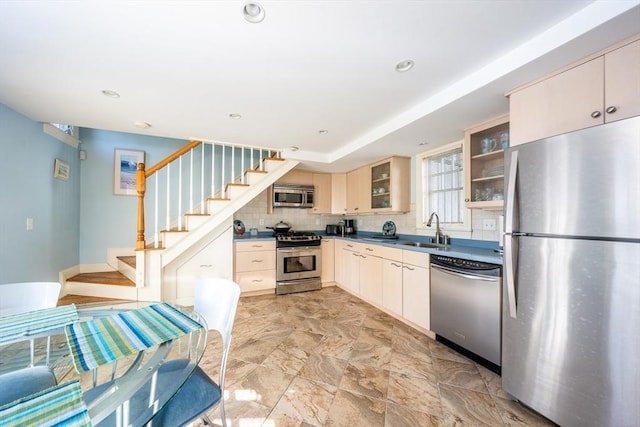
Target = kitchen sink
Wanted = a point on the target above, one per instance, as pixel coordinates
(422, 245)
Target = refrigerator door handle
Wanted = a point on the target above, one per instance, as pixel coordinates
(510, 207)
(509, 273)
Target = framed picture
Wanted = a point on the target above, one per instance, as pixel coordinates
(125, 166)
(61, 170)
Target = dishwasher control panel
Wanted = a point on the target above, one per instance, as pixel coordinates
(464, 264)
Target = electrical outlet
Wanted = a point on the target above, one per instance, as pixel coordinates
(29, 223)
(317, 221)
(261, 221)
(489, 224)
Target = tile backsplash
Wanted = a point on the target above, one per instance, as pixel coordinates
(302, 219)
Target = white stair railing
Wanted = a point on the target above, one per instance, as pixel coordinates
(205, 172)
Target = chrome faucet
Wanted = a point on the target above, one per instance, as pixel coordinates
(440, 238)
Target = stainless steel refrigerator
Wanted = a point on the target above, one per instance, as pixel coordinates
(571, 296)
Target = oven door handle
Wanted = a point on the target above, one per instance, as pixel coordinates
(298, 249)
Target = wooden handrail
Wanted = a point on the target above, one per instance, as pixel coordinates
(141, 188)
(155, 168)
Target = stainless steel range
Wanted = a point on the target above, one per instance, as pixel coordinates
(298, 262)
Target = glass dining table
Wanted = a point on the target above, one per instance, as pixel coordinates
(115, 363)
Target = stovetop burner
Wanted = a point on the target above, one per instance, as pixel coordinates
(297, 238)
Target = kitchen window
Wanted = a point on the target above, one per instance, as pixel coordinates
(441, 177)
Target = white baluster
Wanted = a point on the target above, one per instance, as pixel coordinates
(202, 180)
(180, 193)
(156, 225)
(222, 173)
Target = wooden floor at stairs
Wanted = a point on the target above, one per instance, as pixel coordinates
(81, 299)
(103, 278)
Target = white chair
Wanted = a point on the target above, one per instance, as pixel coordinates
(18, 298)
(216, 300)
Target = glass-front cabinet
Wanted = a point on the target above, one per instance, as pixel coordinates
(390, 182)
(484, 161)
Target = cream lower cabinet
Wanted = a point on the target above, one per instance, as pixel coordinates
(415, 288)
(328, 260)
(370, 275)
(392, 281)
(255, 265)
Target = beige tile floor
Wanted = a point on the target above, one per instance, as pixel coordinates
(326, 358)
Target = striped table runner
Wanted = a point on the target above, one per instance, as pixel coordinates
(34, 322)
(103, 340)
(62, 405)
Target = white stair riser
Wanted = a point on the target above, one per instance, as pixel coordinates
(252, 178)
(270, 165)
(193, 221)
(169, 238)
(214, 206)
(235, 191)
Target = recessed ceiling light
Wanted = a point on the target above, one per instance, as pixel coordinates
(111, 93)
(405, 65)
(294, 148)
(142, 125)
(323, 131)
(235, 116)
(253, 12)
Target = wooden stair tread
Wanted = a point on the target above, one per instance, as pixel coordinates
(103, 278)
(130, 260)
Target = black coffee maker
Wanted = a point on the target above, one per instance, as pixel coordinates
(349, 226)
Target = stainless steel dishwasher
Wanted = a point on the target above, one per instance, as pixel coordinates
(466, 307)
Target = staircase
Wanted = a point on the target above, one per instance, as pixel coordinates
(189, 200)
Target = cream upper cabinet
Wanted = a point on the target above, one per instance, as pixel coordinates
(321, 193)
(297, 177)
(604, 89)
(358, 190)
(339, 193)
(484, 147)
(390, 185)
(622, 82)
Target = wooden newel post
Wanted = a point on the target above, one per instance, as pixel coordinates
(141, 188)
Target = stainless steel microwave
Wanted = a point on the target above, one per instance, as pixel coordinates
(292, 196)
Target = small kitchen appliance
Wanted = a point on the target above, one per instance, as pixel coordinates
(349, 226)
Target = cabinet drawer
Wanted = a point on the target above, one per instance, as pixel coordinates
(391, 253)
(255, 261)
(371, 249)
(419, 259)
(257, 245)
(256, 280)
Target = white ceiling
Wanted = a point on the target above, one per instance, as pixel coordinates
(185, 66)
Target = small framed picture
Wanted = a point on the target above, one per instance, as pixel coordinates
(125, 166)
(61, 170)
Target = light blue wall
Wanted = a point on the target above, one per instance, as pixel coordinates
(28, 189)
(107, 220)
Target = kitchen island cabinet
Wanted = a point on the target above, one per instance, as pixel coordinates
(603, 89)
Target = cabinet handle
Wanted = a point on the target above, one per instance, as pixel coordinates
(596, 114)
(612, 109)
(256, 246)
(349, 246)
(205, 265)
(256, 260)
(257, 280)
(408, 268)
(467, 200)
(395, 265)
(368, 249)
